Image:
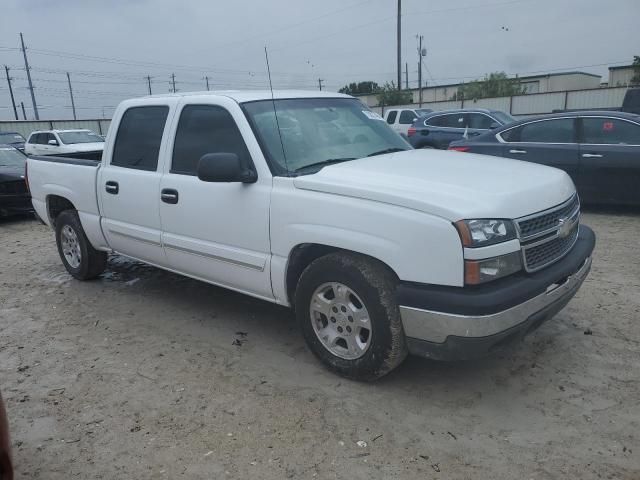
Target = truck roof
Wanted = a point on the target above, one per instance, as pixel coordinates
(242, 96)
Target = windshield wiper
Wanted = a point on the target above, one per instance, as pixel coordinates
(387, 150)
(323, 163)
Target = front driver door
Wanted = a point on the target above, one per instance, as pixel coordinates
(217, 232)
(549, 142)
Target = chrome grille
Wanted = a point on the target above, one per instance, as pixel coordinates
(542, 222)
(547, 236)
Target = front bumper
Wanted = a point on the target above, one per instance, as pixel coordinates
(449, 323)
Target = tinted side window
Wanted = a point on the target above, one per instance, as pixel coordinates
(437, 121)
(48, 137)
(451, 120)
(139, 136)
(480, 121)
(547, 131)
(205, 129)
(33, 138)
(407, 117)
(610, 131)
(391, 118)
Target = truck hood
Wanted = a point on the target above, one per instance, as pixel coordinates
(451, 185)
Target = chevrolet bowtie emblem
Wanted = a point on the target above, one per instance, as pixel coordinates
(565, 226)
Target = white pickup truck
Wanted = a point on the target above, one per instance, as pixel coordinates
(380, 249)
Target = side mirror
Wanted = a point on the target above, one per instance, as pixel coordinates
(494, 125)
(53, 142)
(224, 167)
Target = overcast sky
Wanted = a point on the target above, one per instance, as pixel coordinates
(109, 46)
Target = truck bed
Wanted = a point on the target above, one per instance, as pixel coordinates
(73, 179)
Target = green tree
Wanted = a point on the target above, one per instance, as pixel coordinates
(635, 80)
(360, 88)
(496, 84)
(390, 95)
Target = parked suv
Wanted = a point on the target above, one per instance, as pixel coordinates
(55, 142)
(438, 129)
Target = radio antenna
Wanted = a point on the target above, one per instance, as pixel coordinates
(275, 113)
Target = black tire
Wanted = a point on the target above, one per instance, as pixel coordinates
(375, 285)
(92, 262)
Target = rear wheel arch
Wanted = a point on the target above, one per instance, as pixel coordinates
(302, 255)
(56, 205)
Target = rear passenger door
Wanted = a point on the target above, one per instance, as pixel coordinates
(610, 160)
(129, 184)
(217, 232)
(444, 129)
(549, 142)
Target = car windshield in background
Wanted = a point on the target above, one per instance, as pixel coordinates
(10, 138)
(10, 157)
(503, 117)
(79, 137)
(316, 132)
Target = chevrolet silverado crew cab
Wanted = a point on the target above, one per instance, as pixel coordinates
(380, 249)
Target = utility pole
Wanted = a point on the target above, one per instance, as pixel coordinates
(73, 104)
(26, 67)
(13, 100)
(399, 43)
(420, 71)
(24, 114)
(173, 82)
(320, 84)
(149, 83)
(406, 75)
(206, 79)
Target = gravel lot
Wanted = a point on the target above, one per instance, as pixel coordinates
(145, 374)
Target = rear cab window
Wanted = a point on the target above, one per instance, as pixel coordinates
(139, 137)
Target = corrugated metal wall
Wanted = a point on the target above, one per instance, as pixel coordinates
(535, 104)
(26, 127)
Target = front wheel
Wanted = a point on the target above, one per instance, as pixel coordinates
(78, 256)
(345, 304)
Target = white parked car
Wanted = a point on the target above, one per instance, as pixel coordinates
(400, 119)
(382, 250)
(61, 142)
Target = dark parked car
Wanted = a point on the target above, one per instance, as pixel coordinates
(599, 150)
(14, 195)
(12, 138)
(438, 129)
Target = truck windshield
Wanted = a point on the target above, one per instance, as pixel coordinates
(79, 137)
(10, 157)
(316, 132)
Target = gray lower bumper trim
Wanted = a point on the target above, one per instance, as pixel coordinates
(437, 326)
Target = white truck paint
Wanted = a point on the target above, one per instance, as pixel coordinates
(398, 208)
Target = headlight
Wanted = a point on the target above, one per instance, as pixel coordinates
(483, 232)
(480, 271)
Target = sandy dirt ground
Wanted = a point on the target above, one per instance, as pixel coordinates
(144, 374)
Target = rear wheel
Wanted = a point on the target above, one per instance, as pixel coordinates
(346, 307)
(78, 256)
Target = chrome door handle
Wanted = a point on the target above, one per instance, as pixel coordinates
(517, 151)
(591, 155)
(169, 195)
